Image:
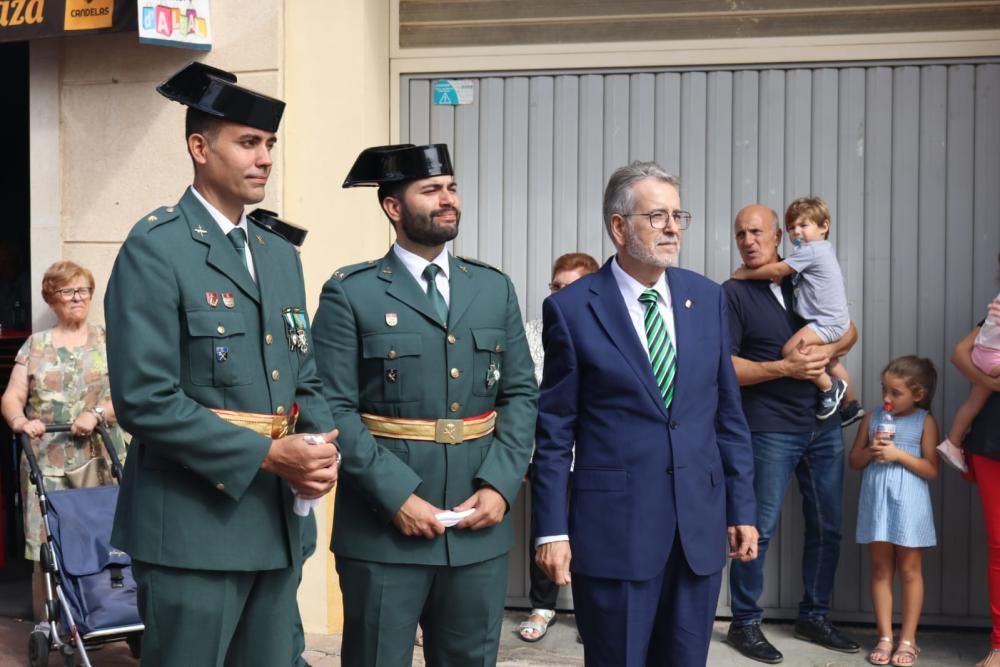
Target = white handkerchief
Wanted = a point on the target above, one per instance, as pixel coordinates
(449, 518)
(301, 506)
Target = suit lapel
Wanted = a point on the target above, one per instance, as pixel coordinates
(221, 254)
(609, 308)
(684, 327)
(463, 290)
(404, 288)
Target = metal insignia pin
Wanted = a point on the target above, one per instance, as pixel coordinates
(688, 303)
(222, 354)
(212, 298)
(391, 375)
(492, 375)
(259, 239)
(391, 319)
(200, 231)
(228, 300)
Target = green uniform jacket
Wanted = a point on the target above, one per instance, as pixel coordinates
(193, 495)
(380, 349)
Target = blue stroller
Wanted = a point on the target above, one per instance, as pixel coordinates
(89, 590)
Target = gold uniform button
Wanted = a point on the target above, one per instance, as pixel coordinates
(221, 329)
(275, 375)
(219, 486)
(392, 354)
(499, 348)
(455, 406)
(451, 339)
(170, 209)
(268, 339)
(455, 372)
(280, 410)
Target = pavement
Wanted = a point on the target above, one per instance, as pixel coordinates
(940, 648)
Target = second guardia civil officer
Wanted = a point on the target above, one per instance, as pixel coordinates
(427, 372)
(210, 361)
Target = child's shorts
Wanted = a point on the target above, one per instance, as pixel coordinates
(829, 333)
(985, 358)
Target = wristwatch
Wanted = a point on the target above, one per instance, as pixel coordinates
(102, 418)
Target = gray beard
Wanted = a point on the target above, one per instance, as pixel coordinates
(645, 254)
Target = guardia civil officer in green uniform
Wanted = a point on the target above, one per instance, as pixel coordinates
(211, 362)
(428, 375)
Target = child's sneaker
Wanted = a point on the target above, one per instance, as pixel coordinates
(851, 413)
(953, 456)
(830, 399)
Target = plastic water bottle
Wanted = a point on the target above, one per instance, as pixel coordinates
(885, 429)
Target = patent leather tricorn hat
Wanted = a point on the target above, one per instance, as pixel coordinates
(293, 233)
(214, 91)
(399, 163)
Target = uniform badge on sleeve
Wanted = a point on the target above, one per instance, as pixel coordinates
(295, 329)
(212, 298)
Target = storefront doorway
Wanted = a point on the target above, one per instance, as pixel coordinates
(15, 304)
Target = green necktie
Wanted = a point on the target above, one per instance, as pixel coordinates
(661, 350)
(238, 238)
(433, 295)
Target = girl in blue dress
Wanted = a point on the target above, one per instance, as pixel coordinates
(894, 507)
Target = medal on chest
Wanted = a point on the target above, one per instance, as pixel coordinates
(295, 329)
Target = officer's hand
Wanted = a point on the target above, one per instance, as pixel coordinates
(490, 508)
(416, 518)
(311, 470)
(805, 362)
(742, 542)
(554, 558)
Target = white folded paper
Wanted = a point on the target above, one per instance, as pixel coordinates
(301, 506)
(449, 518)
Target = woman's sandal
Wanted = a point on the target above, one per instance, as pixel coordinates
(531, 631)
(992, 659)
(905, 654)
(879, 655)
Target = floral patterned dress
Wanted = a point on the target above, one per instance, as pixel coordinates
(62, 383)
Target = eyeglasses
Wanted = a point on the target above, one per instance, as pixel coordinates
(67, 293)
(658, 219)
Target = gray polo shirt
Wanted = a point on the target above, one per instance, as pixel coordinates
(819, 285)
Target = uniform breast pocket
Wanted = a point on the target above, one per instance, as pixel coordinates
(391, 369)
(488, 363)
(217, 348)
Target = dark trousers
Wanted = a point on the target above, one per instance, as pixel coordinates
(460, 610)
(665, 621)
(220, 619)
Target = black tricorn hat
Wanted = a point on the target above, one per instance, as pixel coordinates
(214, 91)
(293, 233)
(398, 163)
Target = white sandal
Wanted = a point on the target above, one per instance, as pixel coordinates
(533, 626)
(989, 661)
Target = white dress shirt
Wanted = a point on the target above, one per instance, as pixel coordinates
(630, 289)
(416, 264)
(227, 226)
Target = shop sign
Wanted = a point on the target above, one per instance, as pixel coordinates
(22, 20)
(181, 23)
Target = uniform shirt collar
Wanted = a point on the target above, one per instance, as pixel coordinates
(224, 223)
(416, 264)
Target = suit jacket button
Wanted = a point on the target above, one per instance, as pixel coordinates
(673, 424)
(455, 372)
(219, 486)
(268, 339)
(275, 375)
(454, 407)
(670, 470)
(451, 339)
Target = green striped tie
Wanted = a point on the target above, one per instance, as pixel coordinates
(661, 350)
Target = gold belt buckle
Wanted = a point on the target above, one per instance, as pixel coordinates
(449, 431)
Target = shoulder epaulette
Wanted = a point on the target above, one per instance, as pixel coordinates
(351, 269)
(161, 215)
(478, 262)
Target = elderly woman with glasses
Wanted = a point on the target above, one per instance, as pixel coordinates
(60, 376)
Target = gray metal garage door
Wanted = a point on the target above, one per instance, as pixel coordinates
(908, 157)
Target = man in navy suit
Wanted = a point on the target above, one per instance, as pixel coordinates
(638, 375)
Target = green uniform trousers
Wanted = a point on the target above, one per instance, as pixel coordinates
(225, 619)
(459, 608)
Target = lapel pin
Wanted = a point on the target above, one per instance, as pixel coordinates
(259, 239)
(387, 271)
(200, 231)
(462, 268)
(228, 300)
(392, 319)
(212, 298)
(688, 303)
